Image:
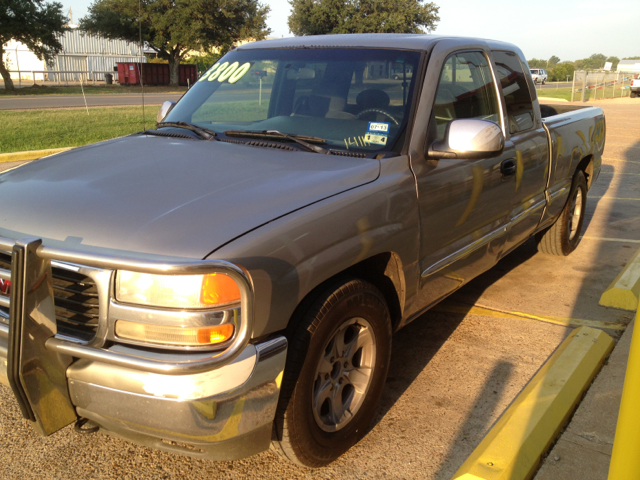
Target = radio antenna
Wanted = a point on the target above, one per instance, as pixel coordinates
(144, 123)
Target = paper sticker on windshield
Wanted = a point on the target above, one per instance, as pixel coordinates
(377, 133)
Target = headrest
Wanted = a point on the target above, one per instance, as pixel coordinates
(373, 99)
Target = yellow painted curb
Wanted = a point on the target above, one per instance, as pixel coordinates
(513, 447)
(30, 154)
(624, 291)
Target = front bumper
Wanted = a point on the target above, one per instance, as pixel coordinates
(216, 405)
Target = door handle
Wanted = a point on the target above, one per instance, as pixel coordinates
(508, 168)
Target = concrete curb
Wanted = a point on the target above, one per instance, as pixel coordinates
(513, 447)
(30, 154)
(624, 291)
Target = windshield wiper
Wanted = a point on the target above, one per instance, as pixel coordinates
(203, 133)
(303, 140)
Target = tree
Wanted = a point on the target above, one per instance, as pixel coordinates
(561, 71)
(614, 62)
(34, 23)
(553, 61)
(631, 58)
(174, 27)
(318, 17)
(537, 63)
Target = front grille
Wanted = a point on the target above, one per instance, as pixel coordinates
(76, 301)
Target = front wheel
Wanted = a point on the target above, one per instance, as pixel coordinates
(563, 236)
(337, 366)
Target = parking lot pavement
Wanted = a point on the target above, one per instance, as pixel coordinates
(452, 373)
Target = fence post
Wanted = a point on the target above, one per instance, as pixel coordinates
(573, 85)
(584, 86)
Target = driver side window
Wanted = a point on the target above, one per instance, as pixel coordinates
(465, 90)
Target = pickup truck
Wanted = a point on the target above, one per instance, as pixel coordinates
(539, 75)
(229, 281)
(635, 87)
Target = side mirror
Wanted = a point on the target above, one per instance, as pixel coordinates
(469, 138)
(164, 110)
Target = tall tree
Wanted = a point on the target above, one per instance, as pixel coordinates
(614, 62)
(175, 27)
(318, 17)
(553, 61)
(36, 24)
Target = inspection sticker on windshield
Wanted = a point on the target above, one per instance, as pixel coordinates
(377, 133)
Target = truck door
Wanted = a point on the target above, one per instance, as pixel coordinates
(464, 203)
(528, 140)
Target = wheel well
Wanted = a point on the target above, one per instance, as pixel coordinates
(384, 271)
(586, 166)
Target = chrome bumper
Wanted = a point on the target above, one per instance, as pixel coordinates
(217, 405)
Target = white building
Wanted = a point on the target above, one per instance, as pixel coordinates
(81, 53)
(629, 66)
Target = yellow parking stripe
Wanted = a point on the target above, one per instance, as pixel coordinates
(605, 239)
(619, 160)
(614, 198)
(449, 307)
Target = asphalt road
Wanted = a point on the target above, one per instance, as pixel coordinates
(69, 101)
(112, 100)
(453, 371)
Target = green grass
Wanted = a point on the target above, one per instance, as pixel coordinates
(230, 112)
(58, 128)
(40, 129)
(562, 93)
(90, 90)
(590, 95)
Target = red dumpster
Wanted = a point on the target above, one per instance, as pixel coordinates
(154, 73)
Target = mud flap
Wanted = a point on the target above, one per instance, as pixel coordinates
(37, 376)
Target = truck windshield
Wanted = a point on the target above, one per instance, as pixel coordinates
(348, 98)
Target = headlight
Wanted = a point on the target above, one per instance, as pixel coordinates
(176, 291)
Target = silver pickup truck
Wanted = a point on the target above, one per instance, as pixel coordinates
(230, 280)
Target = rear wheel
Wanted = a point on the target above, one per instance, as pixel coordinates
(563, 236)
(337, 366)
(633, 94)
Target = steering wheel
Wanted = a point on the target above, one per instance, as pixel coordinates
(377, 110)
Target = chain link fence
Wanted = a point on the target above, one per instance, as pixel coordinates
(588, 86)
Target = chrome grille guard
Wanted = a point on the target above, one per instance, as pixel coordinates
(37, 357)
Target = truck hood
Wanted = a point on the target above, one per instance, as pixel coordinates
(166, 196)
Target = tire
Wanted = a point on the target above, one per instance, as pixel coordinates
(633, 94)
(544, 82)
(310, 428)
(563, 236)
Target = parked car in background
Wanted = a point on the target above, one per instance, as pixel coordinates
(539, 75)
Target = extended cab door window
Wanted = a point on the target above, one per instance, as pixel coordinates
(528, 141)
(515, 90)
(465, 90)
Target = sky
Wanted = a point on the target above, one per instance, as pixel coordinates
(569, 29)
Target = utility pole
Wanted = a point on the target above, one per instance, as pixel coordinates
(70, 16)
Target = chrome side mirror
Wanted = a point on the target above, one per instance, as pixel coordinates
(469, 138)
(164, 110)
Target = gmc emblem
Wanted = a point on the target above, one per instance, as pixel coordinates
(5, 287)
